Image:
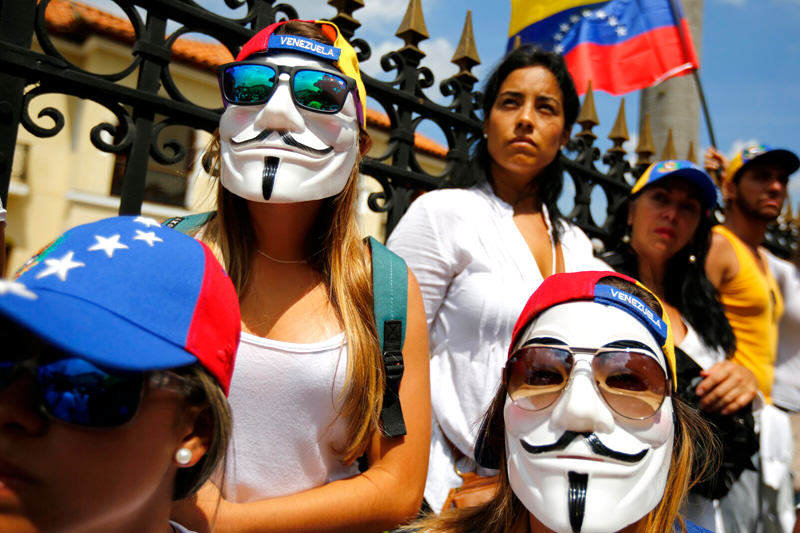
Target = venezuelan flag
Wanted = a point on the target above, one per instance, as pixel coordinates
(620, 45)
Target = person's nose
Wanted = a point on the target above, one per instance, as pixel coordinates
(580, 408)
(280, 112)
(19, 413)
(525, 119)
(670, 212)
(777, 186)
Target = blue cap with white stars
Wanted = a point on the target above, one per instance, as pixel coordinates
(129, 294)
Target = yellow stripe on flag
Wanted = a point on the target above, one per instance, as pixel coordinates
(526, 12)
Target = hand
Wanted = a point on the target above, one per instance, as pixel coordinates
(727, 387)
(715, 164)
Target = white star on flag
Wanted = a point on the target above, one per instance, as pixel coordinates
(622, 31)
(612, 21)
(558, 36)
(574, 18)
(107, 244)
(586, 13)
(60, 267)
(601, 14)
(147, 236)
(559, 49)
(564, 28)
(147, 221)
(15, 287)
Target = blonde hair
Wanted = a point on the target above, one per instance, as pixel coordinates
(342, 260)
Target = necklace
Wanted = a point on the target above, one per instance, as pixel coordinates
(282, 261)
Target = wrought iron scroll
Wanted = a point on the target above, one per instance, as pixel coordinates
(25, 74)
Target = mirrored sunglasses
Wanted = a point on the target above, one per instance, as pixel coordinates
(322, 91)
(78, 392)
(630, 381)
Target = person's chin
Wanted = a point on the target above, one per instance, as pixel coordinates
(13, 514)
(769, 213)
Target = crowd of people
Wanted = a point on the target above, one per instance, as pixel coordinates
(262, 368)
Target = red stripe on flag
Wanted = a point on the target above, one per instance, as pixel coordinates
(639, 62)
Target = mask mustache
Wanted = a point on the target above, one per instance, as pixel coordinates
(594, 443)
(287, 139)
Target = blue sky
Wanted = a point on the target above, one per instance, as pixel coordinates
(750, 62)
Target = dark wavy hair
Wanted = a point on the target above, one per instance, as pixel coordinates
(550, 182)
(686, 285)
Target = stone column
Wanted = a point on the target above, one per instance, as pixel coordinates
(675, 104)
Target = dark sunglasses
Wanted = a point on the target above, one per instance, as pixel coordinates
(629, 380)
(245, 83)
(78, 392)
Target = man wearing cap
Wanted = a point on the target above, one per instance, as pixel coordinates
(754, 188)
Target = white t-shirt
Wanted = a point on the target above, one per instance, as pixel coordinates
(285, 425)
(786, 387)
(476, 272)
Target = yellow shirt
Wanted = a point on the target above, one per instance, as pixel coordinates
(753, 306)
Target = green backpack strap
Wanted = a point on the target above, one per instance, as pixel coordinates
(190, 223)
(390, 291)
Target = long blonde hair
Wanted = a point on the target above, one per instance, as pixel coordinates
(342, 260)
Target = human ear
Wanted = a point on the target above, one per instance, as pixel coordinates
(729, 189)
(565, 137)
(631, 207)
(196, 439)
(364, 142)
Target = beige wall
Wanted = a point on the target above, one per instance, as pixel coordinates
(62, 181)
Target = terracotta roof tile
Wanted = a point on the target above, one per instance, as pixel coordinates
(75, 21)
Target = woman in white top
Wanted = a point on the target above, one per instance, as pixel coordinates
(480, 250)
(663, 231)
(308, 395)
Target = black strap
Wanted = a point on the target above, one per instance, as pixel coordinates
(390, 292)
(392, 413)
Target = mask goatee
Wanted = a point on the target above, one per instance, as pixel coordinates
(576, 499)
(268, 176)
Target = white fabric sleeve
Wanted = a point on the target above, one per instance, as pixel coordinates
(424, 238)
(578, 251)
(2, 212)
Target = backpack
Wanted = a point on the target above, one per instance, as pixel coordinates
(390, 290)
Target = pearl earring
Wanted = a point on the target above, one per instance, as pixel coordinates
(183, 456)
(626, 238)
(692, 259)
(485, 135)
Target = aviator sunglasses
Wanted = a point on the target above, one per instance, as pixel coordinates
(78, 392)
(246, 83)
(630, 381)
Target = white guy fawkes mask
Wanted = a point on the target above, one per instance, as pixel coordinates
(287, 154)
(617, 493)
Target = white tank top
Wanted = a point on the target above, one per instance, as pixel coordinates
(284, 401)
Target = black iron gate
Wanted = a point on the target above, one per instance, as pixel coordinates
(142, 113)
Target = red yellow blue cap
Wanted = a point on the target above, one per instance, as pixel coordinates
(341, 54)
(575, 286)
(761, 153)
(678, 168)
